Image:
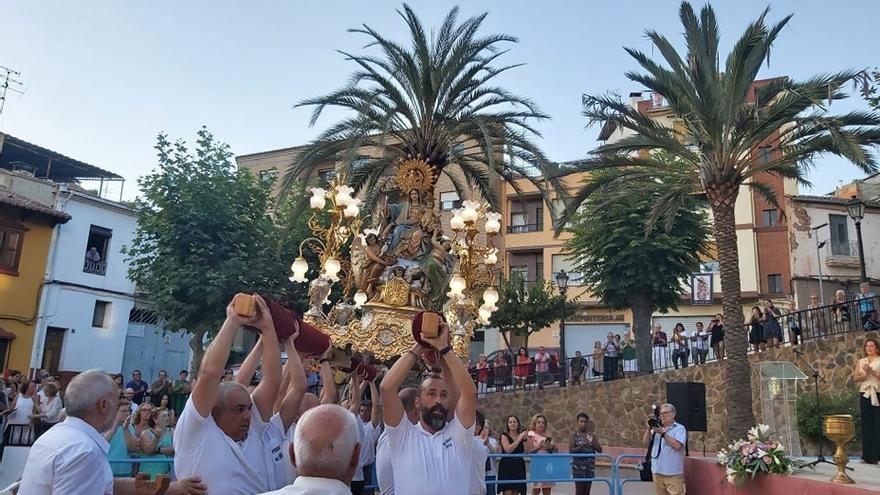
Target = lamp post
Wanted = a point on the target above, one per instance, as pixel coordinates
(856, 210)
(819, 258)
(562, 283)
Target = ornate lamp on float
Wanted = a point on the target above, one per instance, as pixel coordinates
(400, 266)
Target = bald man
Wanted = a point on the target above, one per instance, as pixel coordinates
(224, 435)
(326, 452)
(71, 458)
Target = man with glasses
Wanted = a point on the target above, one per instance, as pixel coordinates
(667, 444)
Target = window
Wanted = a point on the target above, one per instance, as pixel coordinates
(458, 149)
(774, 283)
(518, 222)
(710, 266)
(11, 240)
(101, 314)
(839, 235)
(770, 218)
(565, 262)
(325, 176)
(268, 175)
(521, 272)
(765, 154)
(97, 250)
(449, 201)
(360, 162)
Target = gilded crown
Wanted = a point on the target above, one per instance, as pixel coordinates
(416, 174)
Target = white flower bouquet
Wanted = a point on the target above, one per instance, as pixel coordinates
(758, 453)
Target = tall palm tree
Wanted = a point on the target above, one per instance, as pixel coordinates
(436, 100)
(724, 117)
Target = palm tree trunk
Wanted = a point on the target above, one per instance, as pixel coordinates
(642, 307)
(738, 393)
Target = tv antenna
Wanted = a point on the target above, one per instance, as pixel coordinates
(8, 82)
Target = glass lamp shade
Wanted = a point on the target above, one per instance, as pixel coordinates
(360, 298)
(484, 313)
(353, 208)
(457, 222)
(318, 199)
(343, 196)
(492, 257)
(331, 268)
(493, 223)
(457, 285)
(490, 296)
(562, 280)
(299, 269)
(856, 209)
(470, 211)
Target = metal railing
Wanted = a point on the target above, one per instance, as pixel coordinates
(95, 267)
(794, 328)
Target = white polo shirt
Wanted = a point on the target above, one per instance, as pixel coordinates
(70, 458)
(285, 471)
(307, 485)
(478, 467)
(224, 465)
(431, 464)
(384, 471)
(368, 447)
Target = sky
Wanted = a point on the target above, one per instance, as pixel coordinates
(103, 79)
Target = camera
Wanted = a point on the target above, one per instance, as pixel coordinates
(653, 423)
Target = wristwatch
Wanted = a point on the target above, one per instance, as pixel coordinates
(445, 350)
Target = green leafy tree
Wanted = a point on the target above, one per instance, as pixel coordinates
(627, 261)
(204, 233)
(524, 309)
(436, 99)
(723, 114)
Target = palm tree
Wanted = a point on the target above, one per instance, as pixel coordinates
(724, 116)
(435, 100)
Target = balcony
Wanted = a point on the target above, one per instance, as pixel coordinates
(95, 267)
(529, 227)
(842, 254)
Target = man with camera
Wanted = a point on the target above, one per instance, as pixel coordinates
(666, 441)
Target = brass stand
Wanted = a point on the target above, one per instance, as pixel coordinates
(839, 429)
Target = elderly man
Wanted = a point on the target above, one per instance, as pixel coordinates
(326, 452)
(223, 434)
(128, 395)
(666, 443)
(71, 458)
(447, 442)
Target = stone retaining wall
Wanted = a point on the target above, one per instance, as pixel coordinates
(620, 408)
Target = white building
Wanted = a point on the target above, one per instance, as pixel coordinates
(85, 305)
(823, 237)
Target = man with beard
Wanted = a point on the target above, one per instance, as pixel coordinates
(434, 456)
(224, 435)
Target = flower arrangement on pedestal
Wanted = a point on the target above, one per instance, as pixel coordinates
(758, 453)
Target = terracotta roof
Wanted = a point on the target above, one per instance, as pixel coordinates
(15, 200)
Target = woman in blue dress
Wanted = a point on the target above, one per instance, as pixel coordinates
(157, 443)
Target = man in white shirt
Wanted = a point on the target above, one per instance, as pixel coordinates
(326, 452)
(71, 458)
(223, 434)
(481, 455)
(369, 415)
(384, 470)
(448, 443)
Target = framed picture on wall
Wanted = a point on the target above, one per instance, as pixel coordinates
(702, 291)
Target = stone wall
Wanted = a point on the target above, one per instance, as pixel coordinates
(620, 408)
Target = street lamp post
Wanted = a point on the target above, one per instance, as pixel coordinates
(819, 258)
(856, 210)
(562, 283)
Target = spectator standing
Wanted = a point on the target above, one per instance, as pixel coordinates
(716, 331)
(539, 443)
(118, 443)
(326, 451)
(49, 410)
(578, 366)
(23, 407)
(492, 464)
(667, 452)
(369, 415)
(628, 353)
(866, 301)
(619, 342)
(756, 330)
(873, 322)
(502, 371)
(794, 328)
(480, 462)
(447, 442)
(841, 311)
(680, 350)
(71, 458)
(120, 383)
(162, 386)
(542, 367)
(866, 374)
(583, 441)
(157, 443)
(816, 316)
(660, 347)
(128, 397)
(609, 359)
(512, 468)
(701, 343)
(772, 327)
(521, 373)
(598, 355)
(181, 386)
(139, 386)
(482, 368)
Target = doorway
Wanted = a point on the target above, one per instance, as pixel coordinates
(52, 349)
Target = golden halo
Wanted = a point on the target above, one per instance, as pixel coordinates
(414, 174)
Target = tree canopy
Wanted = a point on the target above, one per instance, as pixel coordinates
(524, 309)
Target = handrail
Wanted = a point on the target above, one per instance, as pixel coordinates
(615, 472)
(568, 479)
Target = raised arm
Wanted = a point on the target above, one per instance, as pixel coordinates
(451, 387)
(376, 411)
(328, 381)
(265, 393)
(297, 389)
(250, 364)
(392, 407)
(466, 410)
(355, 393)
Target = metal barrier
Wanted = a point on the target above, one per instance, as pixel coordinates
(615, 472)
(549, 478)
